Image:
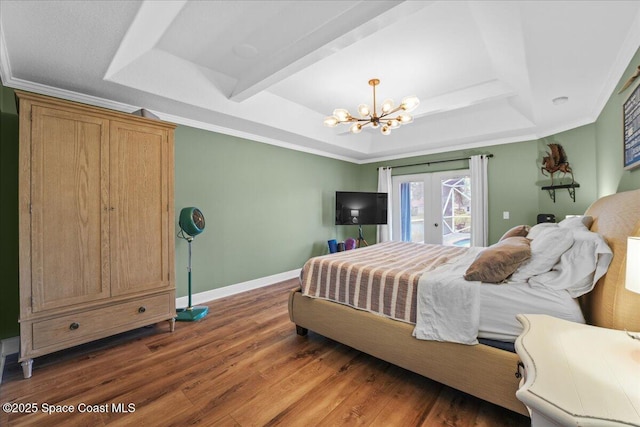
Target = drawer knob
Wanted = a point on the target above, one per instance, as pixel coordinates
(74, 326)
(142, 309)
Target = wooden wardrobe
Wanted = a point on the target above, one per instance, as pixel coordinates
(96, 224)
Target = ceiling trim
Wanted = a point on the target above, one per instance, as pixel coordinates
(127, 108)
(462, 147)
(67, 94)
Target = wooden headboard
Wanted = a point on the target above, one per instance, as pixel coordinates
(610, 305)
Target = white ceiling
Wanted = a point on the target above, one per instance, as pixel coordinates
(486, 72)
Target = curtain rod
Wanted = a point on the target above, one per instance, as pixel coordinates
(433, 162)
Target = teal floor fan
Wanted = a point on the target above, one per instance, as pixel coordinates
(191, 224)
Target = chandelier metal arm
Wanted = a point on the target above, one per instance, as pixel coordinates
(384, 120)
(395, 110)
(371, 117)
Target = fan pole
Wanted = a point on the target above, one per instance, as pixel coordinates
(190, 313)
(189, 306)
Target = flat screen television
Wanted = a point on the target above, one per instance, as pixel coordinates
(360, 208)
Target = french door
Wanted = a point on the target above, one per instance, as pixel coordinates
(432, 208)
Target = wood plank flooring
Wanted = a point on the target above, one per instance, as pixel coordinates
(241, 365)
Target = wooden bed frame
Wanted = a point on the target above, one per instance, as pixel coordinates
(481, 370)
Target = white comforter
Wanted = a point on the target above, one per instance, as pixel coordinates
(448, 306)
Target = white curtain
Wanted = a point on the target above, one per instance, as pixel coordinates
(384, 186)
(479, 200)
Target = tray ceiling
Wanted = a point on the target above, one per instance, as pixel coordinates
(486, 72)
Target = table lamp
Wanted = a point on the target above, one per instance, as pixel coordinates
(632, 281)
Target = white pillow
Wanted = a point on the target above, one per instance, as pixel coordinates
(577, 221)
(547, 246)
(580, 267)
(539, 228)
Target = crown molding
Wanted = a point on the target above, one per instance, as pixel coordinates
(28, 86)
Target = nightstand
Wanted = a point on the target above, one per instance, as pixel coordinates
(577, 374)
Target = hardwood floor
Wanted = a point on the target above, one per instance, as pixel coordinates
(241, 365)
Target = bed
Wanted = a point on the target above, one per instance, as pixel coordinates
(482, 370)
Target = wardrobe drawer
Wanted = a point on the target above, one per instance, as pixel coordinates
(76, 327)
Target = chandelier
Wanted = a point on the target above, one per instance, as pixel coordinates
(385, 121)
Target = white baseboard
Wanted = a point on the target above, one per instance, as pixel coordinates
(226, 291)
(8, 346)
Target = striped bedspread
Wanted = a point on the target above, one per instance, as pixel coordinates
(381, 278)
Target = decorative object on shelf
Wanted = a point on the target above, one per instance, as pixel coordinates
(556, 161)
(631, 80)
(631, 119)
(370, 116)
(191, 224)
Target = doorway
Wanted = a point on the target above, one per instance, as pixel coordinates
(433, 208)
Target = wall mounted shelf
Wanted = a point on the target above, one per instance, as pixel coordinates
(571, 188)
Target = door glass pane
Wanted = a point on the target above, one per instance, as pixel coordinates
(412, 211)
(456, 210)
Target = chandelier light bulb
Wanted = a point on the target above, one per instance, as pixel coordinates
(410, 103)
(393, 124)
(363, 110)
(405, 118)
(387, 106)
(331, 121)
(385, 130)
(342, 114)
(356, 128)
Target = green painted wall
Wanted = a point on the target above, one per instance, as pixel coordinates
(9, 302)
(267, 209)
(611, 177)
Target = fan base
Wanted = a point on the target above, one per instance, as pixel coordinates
(191, 314)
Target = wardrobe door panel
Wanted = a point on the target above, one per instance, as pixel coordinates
(69, 217)
(140, 215)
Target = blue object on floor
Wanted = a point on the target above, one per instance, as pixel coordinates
(333, 246)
